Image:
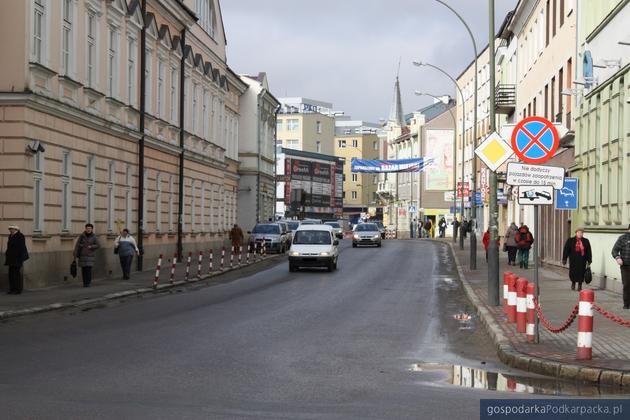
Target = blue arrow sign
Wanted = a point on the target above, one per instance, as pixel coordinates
(567, 197)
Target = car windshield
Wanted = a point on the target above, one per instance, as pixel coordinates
(333, 224)
(271, 229)
(366, 227)
(293, 225)
(312, 237)
(379, 224)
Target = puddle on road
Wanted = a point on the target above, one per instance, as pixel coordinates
(475, 378)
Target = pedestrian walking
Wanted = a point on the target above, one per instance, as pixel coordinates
(486, 241)
(465, 227)
(524, 241)
(621, 254)
(427, 227)
(125, 246)
(85, 251)
(510, 243)
(14, 257)
(578, 251)
(420, 229)
(456, 224)
(236, 236)
(442, 227)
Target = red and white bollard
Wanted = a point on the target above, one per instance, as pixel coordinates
(210, 264)
(511, 310)
(264, 248)
(232, 256)
(521, 305)
(173, 268)
(199, 264)
(222, 257)
(157, 272)
(249, 246)
(506, 276)
(240, 254)
(585, 325)
(188, 266)
(531, 313)
(256, 251)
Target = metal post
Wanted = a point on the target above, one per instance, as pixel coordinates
(493, 247)
(537, 291)
(140, 237)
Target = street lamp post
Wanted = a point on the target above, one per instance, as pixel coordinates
(454, 161)
(473, 194)
(461, 94)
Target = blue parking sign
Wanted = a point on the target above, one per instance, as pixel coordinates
(567, 197)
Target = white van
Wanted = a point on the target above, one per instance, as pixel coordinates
(314, 246)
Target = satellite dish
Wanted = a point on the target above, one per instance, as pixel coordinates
(587, 69)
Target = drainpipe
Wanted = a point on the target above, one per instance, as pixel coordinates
(182, 107)
(275, 159)
(258, 140)
(143, 66)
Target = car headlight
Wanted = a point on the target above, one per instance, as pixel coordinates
(295, 254)
(324, 254)
(356, 236)
(377, 236)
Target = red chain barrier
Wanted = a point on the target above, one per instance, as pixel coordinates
(548, 325)
(615, 318)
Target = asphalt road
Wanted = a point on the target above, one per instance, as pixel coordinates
(274, 344)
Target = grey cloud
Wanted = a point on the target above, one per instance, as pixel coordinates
(347, 51)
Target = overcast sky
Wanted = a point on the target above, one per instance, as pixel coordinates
(347, 51)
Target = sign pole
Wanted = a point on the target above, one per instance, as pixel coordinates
(537, 291)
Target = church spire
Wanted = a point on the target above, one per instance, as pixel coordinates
(396, 115)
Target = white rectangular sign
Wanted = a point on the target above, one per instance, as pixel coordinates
(535, 195)
(522, 174)
(448, 196)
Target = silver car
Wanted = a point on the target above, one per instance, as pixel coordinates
(272, 235)
(337, 229)
(366, 234)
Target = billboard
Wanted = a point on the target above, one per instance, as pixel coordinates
(313, 186)
(439, 147)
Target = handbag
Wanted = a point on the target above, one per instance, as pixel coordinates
(115, 250)
(588, 275)
(504, 247)
(73, 269)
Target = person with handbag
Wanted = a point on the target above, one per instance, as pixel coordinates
(621, 254)
(524, 240)
(577, 250)
(125, 246)
(14, 257)
(510, 243)
(85, 251)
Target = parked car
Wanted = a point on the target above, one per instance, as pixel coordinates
(366, 234)
(271, 234)
(337, 229)
(314, 246)
(293, 225)
(286, 231)
(381, 228)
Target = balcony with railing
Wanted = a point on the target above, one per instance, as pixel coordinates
(505, 98)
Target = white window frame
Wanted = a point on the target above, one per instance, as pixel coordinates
(354, 195)
(39, 31)
(67, 37)
(205, 114)
(318, 127)
(194, 109)
(66, 191)
(90, 186)
(212, 212)
(341, 144)
(160, 88)
(174, 90)
(132, 59)
(158, 202)
(145, 191)
(113, 52)
(193, 203)
(355, 177)
(111, 194)
(128, 198)
(148, 57)
(39, 193)
(202, 212)
(293, 124)
(355, 143)
(91, 50)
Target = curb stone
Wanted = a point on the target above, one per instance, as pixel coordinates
(15, 313)
(513, 358)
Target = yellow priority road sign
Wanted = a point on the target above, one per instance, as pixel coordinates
(494, 151)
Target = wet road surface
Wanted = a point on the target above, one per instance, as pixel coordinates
(362, 342)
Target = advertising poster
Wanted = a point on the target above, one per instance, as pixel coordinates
(439, 146)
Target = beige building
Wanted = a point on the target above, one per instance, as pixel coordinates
(306, 124)
(77, 113)
(357, 139)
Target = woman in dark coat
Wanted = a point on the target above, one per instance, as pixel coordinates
(85, 251)
(15, 256)
(578, 251)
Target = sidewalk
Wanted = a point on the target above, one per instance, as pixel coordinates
(555, 354)
(74, 295)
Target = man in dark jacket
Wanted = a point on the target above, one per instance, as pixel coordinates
(15, 256)
(85, 251)
(621, 254)
(524, 241)
(578, 251)
(236, 236)
(442, 227)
